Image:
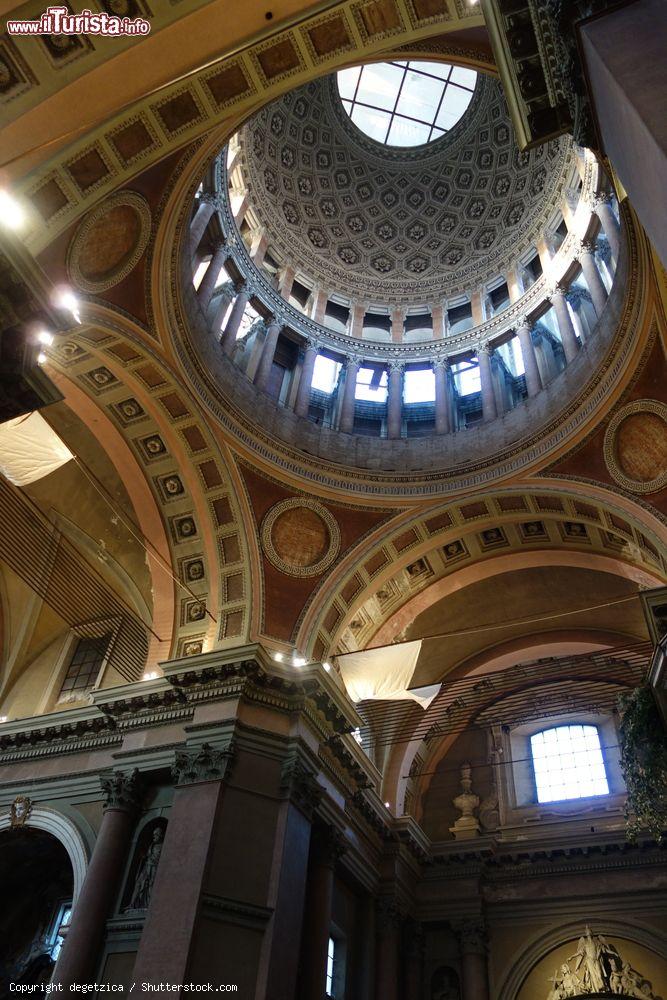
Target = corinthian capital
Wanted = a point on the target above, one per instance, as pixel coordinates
(121, 790)
(207, 763)
(396, 366)
(586, 246)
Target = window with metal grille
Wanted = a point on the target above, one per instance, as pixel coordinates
(85, 665)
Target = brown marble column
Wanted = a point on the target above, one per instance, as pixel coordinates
(169, 931)
(80, 952)
(201, 219)
(349, 389)
(397, 324)
(413, 951)
(602, 207)
(489, 408)
(565, 326)
(303, 394)
(395, 399)
(357, 320)
(234, 320)
(524, 332)
(592, 275)
(327, 845)
(472, 942)
(443, 422)
(268, 350)
(285, 283)
(387, 922)
(319, 305)
(210, 279)
(438, 321)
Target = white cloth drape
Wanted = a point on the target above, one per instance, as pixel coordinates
(385, 674)
(30, 449)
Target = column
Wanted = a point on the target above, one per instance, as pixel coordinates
(443, 421)
(319, 305)
(397, 324)
(357, 320)
(303, 395)
(210, 279)
(592, 275)
(352, 364)
(544, 253)
(327, 845)
(234, 320)
(395, 399)
(489, 409)
(174, 908)
(612, 230)
(472, 941)
(80, 952)
(286, 282)
(387, 946)
(524, 332)
(438, 321)
(225, 296)
(268, 350)
(567, 335)
(201, 219)
(239, 208)
(477, 308)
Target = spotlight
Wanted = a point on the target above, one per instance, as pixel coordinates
(387, 805)
(298, 661)
(3, 718)
(150, 675)
(278, 657)
(41, 358)
(356, 735)
(327, 666)
(11, 213)
(66, 299)
(44, 337)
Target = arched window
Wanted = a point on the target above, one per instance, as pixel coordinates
(568, 763)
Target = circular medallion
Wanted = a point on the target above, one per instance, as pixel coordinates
(635, 446)
(109, 242)
(300, 537)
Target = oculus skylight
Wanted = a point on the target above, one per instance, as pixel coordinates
(406, 103)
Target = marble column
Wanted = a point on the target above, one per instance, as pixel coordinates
(303, 395)
(327, 845)
(258, 247)
(319, 304)
(263, 372)
(592, 275)
(438, 321)
(285, 283)
(397, 324)
(166, 942)
(387, 922)
(524, 332)
(513, 283)
(201, 219)
(395, 399)
(352, 364)
(357, 320)
(477, 307)
(234, 320)
(443, 422)
(565, 326)
(80, 952)
(210, 279)
(475, 977)
(489, 408)
(602, 207)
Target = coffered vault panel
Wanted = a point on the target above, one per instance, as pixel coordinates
(394, 225)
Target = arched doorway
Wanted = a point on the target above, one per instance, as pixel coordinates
(36, 886)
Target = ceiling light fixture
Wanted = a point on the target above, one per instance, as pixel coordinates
(11, 213)
(45, 338)
(66, 299)
(41, 358)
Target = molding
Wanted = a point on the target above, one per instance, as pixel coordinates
(64, 830)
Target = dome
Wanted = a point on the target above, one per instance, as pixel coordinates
(397, 225)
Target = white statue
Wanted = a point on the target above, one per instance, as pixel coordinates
(587, 958)
(598, 968)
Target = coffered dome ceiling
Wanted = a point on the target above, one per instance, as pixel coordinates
(393, 225)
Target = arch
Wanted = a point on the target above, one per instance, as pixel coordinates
(64, 830)
(541, 943)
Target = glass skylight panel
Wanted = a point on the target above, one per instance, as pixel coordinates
(365, 391)
(568, 763)
(406, 103)
(467, 378)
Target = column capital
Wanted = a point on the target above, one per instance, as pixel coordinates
(599, 198)
(472, 936)
(329, 844)
(396, 366)
(442, 362)
(299, 784)
(524, 322)
(205, 763)
(209, 198)
(121, 790)
(486, 348)
(586, 247)
(310, 343)
(388, 914)
(558, 288)
(352, 359)
(276, 318)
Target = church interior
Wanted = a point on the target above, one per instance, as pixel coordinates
(333, 472)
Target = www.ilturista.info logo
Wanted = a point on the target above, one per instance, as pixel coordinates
(61, 21)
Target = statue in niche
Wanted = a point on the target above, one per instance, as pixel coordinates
(445, 984)
(143, 885)
(597, 967)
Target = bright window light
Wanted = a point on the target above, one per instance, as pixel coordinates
(331, 958)
(406, 103)
(419, 386)
(371, 385)
(466, 378)
(62, 919)
(11, 213)
(519, 367)
(325, 374)
(568, 763)
(199, 273)
(248, 318)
